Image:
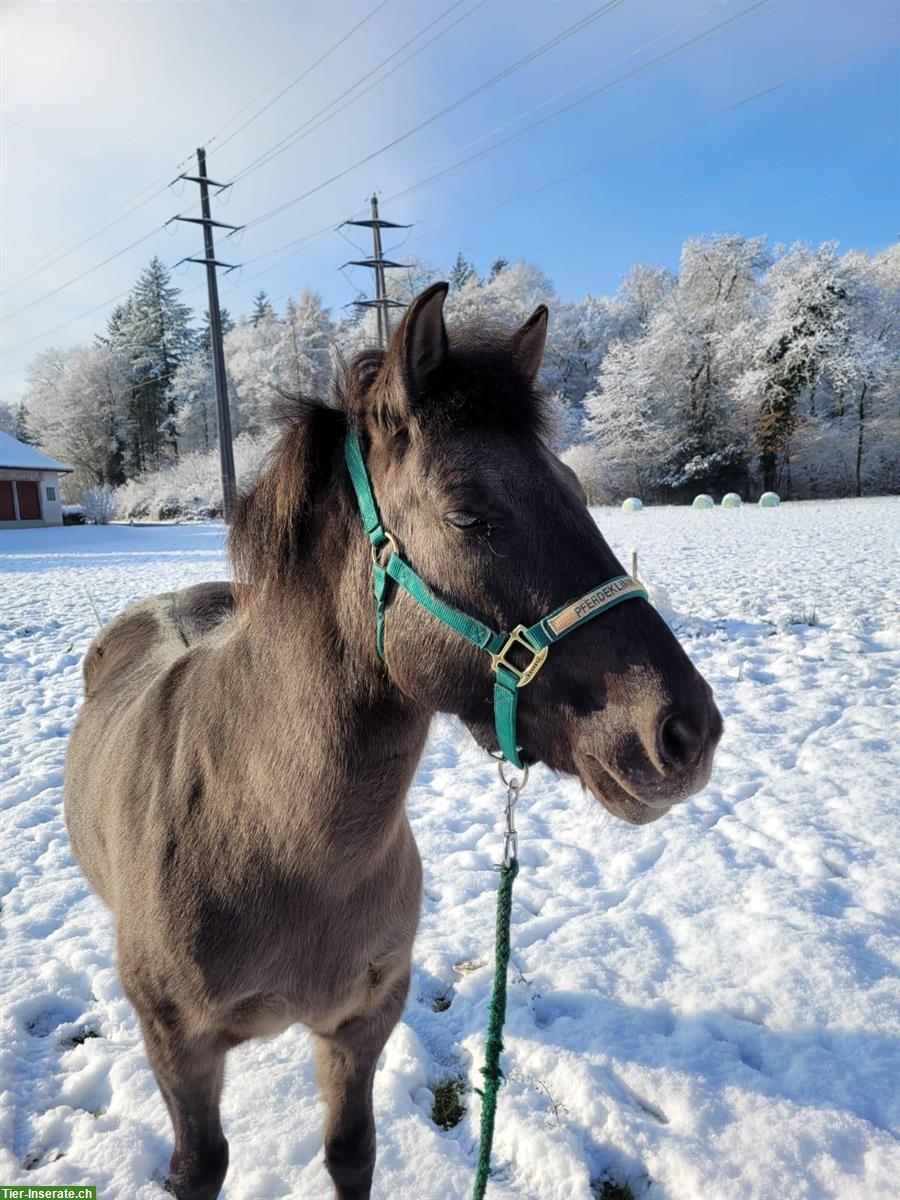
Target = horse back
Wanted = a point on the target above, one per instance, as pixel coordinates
(122, 751)
(153, 629)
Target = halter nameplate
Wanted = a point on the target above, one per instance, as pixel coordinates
(534, 639)
(592, 602)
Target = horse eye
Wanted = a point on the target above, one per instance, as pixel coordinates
(464, 520)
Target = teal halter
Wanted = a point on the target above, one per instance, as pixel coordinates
(535, 639)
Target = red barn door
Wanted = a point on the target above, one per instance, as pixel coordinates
(29, 502)
(7, 505)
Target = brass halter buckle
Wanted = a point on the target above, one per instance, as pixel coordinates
(524, 675)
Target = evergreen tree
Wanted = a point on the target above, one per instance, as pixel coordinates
(205, 338)
(14, 421)
(498, 266)
(20, 429)
(461, 272)
(152, 331)
(262, 308)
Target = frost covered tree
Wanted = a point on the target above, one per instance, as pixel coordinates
(626, 418)
(865, 370)
(662, 412)
(639, 295)
(256, 358)
(802, 324)
(579, 336)
(195, 398)
(79, 402)
(308, 334)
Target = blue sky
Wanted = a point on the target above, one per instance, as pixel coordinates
(101, 100)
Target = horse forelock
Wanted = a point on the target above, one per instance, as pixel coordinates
(481, 384)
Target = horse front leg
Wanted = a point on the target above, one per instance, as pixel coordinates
(189, 1072)
(346, 1065)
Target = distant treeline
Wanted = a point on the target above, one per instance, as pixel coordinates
(751, 368)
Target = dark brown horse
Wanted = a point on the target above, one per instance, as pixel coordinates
(235, 783)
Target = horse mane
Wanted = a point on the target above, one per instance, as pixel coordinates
(480, 385)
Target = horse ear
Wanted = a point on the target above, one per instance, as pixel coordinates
(421, 342)
(528, 342)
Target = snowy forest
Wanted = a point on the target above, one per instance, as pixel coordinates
(752, 368)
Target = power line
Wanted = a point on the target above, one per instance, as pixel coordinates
(316, 235)
(303, 74)
(90, 236)
(71, 320)
(271, 80)
(98, 227)
(559, 180)
(89, 271)
(731, 107)
(311, 124)
(674, 51)
(550, 44)
(528, 58)
(575, 86)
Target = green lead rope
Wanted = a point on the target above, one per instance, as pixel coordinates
(493, 1076)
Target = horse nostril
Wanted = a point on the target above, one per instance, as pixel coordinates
(680, 742)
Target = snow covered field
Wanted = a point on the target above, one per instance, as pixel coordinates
(706, 1007)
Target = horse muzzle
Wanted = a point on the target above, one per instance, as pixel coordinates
(639, 775)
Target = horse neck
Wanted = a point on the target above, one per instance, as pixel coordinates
(323, 709)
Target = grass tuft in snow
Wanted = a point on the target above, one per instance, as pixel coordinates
(803, 616)
(441, 1003)
(448, 1106)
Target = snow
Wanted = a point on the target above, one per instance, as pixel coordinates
(706, 1006)
(20, 455)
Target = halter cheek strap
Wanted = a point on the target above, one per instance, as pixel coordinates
(534, 641)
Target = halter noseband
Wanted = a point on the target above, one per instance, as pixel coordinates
(535, 639)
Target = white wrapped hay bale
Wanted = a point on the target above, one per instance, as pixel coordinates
(632, 504)
(769, 500)
(703, 501)
(731, 500)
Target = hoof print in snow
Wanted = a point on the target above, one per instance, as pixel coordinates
(609, 1189)
(44, 1023)
(448, 1107)
(79, 1037)
(40, 1158)
(442, 1002)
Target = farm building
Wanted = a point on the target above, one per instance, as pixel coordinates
(29, 485)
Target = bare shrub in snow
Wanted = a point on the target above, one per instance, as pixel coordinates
(100, 504)
(585, 462)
